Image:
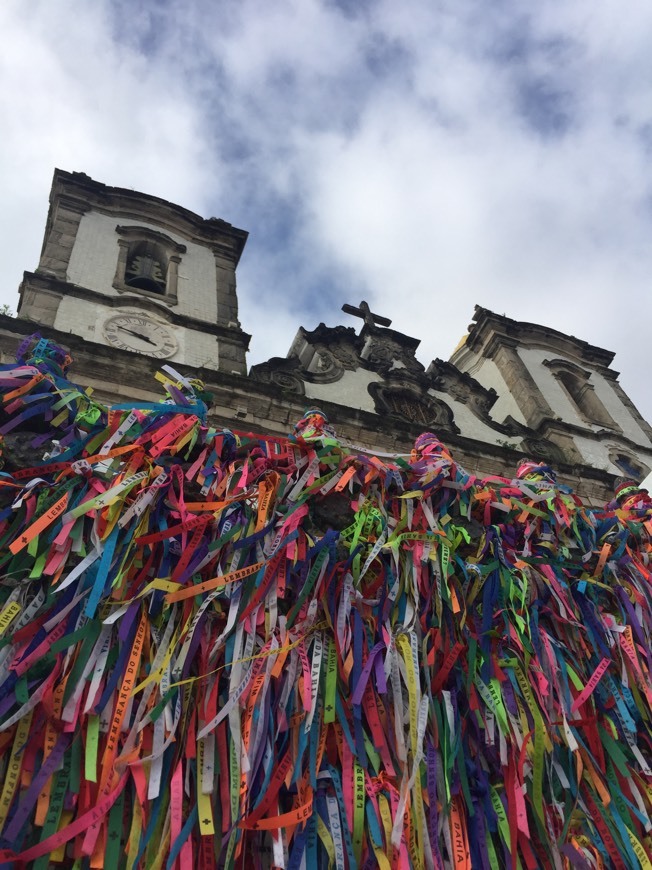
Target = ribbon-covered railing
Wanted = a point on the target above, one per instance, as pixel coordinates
(223, 650)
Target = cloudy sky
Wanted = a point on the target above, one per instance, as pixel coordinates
(424, 155)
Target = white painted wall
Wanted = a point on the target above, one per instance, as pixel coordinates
(351, 390)
(487, 373)
(86, 319)
(596, 453)
(79, 317)
(95, 256)
(550, 388)
(562, 406)
(469, 425)
(201, 349)
(611, 400)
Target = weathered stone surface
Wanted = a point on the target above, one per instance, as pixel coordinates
(18, 449)
(333, 511)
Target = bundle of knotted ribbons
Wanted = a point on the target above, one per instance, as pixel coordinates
(231, 650)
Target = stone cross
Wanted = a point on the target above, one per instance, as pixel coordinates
(366, 314)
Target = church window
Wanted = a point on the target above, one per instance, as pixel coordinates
(148, 263)
(629, 466)
(146, 267)
(576, 385)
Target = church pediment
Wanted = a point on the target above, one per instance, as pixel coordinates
(376, 370)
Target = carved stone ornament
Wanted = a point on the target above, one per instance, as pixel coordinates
(413, 406)
(382, 354)
(324, 362)
(541, 448)
(462, 387)
(284, 373)
(343, 354)
(324, 368)
(327, 352)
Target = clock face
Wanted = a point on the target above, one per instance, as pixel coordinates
(139, 334)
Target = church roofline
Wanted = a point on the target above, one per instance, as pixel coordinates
(488, 325)
(87, 193)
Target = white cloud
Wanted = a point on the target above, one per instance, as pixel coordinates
(77, 100)
(424, 156)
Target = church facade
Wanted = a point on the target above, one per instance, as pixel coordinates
(128, 282)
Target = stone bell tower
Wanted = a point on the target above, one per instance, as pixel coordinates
(137, 274)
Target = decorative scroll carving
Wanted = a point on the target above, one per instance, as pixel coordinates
(327, 352)
(446, 378)
(404, 404)
(414, 406)
(541, 448)
(284, 373)
(384, 353)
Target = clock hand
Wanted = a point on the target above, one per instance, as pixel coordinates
(137, 335)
